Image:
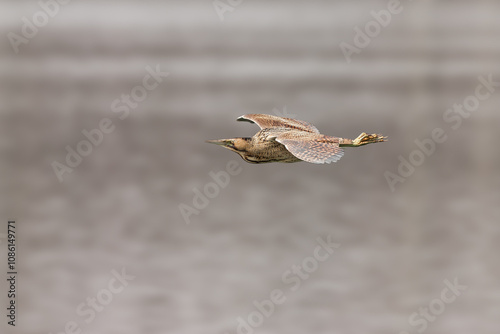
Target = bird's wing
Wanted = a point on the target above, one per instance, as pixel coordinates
(270, 121)
(311, 147)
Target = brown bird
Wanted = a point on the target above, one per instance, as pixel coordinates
(289, 140)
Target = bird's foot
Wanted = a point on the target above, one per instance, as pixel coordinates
(364, 139)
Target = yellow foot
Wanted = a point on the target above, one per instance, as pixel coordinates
(364, 139)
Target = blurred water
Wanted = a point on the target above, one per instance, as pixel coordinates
(120, 207)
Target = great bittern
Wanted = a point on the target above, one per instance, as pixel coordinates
(289, 140)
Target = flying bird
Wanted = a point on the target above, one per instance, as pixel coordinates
(289, 140)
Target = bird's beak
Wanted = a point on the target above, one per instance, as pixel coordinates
(222, 142)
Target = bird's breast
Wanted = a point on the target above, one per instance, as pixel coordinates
(265, 148)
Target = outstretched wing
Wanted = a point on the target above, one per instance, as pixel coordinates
(270, 121)
(311, 147)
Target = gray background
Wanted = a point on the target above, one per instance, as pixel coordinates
(120, 207)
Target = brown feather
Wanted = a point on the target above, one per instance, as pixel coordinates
(270, 121)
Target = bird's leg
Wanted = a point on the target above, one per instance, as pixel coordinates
(363, 139)
(345, 142)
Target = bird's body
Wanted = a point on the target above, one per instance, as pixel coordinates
(261, 149)
(288, 140)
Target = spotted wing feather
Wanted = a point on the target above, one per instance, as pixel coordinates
(313, 148)
(270, 121)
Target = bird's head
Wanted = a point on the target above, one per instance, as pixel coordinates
(234, 144)
(238, 145)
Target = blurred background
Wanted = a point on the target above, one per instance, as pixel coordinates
(120, 207)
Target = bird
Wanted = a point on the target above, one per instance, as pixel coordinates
(289, 140)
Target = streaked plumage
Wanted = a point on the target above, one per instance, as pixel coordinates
(289, 140)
